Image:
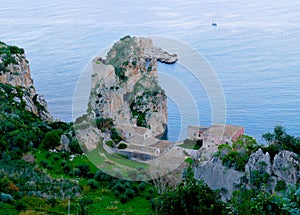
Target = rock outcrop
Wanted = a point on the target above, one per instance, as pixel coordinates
(286, 166)
(259, 161)
(15, 70)
(217, 176)
(125, 85)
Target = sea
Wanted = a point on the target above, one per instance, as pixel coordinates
(254, 51)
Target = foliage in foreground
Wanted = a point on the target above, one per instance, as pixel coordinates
(190, 197)
(281, 140)
(247, 202)
(237, 155)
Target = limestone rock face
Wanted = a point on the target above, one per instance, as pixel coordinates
(18, 74)
(217, 176)
(125, 85)
(259, 161)
(286, 166)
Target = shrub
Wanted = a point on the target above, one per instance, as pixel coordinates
(83, 170)
(129, 193)
(116, 135)
(122, 146)
(110, 143)
(75, 147)
(92, 184)
(102, 176)
(67, 169)
(56, 157)
(104, 123)
(51, 139)
(123, 198)
(120, 187)
(63, 163)
(117, 193)
(15, 50)
(52, 202)
(142, 186)
(84, 201)
(44, 163)
(280, 185)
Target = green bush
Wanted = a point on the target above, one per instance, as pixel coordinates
(110, 143)
(44, 163)
(238, 154)
(102, 176)
(280, 185)
(116, 135)
(122, 146)
(56, 157)
(83, 170)
(117, 193)
(129, 193)
(92, 184)
(67, 169)
(104, 124)
(123, 198)
(52, 139)
(75, 147)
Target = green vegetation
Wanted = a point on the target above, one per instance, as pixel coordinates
(122, 146)
(7, 55)
(260, 201)
(238, 154)
(190, 197)
(52, 139)
(122, 54)
(116, 135)
(280, 140)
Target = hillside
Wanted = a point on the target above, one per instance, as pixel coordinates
(43, 169)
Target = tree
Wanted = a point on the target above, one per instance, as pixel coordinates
(280, 140)
(52, 139)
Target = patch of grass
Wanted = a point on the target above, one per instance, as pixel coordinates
(111, 206)
(100, 158)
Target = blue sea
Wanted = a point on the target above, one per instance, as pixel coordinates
(254, 51)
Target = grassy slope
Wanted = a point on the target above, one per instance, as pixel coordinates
(104, 200)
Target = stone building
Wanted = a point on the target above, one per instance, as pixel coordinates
(215, 135)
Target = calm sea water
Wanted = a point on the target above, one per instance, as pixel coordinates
(254, 50)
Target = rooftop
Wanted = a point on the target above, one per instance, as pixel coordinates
(222, 130)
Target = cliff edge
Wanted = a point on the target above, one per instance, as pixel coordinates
(15, 71)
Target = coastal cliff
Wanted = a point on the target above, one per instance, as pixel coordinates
(260, 168)
(15, 71)
(125, 85)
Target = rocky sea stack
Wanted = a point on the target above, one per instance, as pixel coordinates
(125, 85)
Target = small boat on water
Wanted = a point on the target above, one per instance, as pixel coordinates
(214, 24)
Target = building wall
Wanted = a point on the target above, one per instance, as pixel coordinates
(194, 131)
